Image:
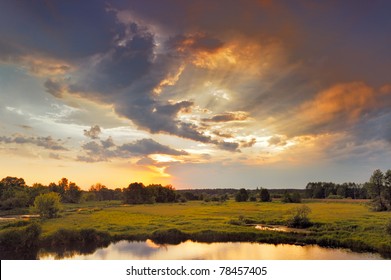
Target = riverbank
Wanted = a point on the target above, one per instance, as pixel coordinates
(335, 224)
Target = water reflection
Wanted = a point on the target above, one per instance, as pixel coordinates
(215, 251)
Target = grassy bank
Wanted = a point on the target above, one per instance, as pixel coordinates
(346, 224)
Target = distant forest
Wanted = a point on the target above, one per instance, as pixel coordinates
(14, 193)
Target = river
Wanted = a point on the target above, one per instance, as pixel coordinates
(189, 250)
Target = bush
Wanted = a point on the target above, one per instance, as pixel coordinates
(291, 198)
(299, 217)
(48, 205)
(265, 196)
(241, 195)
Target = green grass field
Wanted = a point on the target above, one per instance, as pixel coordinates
(344, 223)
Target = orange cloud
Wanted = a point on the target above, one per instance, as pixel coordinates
(170, 80)
(346, 101)
(42, 66)
(386, 89)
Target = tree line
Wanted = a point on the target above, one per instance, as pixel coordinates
(14, 193)
(333, 190)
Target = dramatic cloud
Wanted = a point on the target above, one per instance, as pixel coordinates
(260, 83)
(148, 146)
(106, 149)
(65, 30)
(343, 101)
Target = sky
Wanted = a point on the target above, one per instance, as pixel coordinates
(196, 94)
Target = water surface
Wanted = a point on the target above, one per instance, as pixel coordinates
(189, 250)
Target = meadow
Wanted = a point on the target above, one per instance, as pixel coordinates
(336, 223)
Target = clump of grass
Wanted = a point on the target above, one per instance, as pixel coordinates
(241, 221)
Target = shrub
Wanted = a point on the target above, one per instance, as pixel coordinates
(48, 205)
(241, 195)
(291, 198)
(299, 218)
(265, 196)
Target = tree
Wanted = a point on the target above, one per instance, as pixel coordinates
(35, 190)
(299, 218)
(72, 193)
(48, 205)
(319, 192)
(13, 193)
(160, 194)
(68, 191)
(241, 195)
(376, 190)
(387, 188)
(9, 182)
(265, 195)
(342, 190)
(135, 193)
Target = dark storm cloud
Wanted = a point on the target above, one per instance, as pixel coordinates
(105, 150)
(8, 52)
(148, 146)
(126, 77)
(61, 29)
(119, 68)
(45, 142)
